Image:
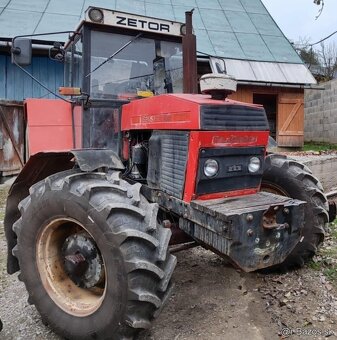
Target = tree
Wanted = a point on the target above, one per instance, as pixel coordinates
(328, 60)
(309, 56)
(321, 61)
(306, 52)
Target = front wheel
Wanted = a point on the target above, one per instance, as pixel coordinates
(93, 258)
(287, 177)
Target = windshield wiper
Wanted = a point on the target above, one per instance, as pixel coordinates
(115, 53)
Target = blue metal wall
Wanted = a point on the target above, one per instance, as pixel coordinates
(16, 85)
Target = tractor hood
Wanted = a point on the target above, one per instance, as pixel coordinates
(192, 112)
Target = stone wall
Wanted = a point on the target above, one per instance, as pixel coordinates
(320, 114)
(324, 167)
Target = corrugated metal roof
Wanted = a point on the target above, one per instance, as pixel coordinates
(236, 29)
(266, 72)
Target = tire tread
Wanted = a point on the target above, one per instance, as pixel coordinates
(314, 230)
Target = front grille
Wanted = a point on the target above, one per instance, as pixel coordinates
(233, 170)
(168, 153)
(233, 118)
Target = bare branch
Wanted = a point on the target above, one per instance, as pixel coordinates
(319, 3)
(328, 58)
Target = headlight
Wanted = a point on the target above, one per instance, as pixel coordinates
(211, 167)
(254, 164)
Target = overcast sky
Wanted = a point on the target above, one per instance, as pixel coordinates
(296, 18)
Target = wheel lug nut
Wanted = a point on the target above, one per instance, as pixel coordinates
(250, 232)
(249, 217)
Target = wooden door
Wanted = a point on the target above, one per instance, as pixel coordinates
(290, 132)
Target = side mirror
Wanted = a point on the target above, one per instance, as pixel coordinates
(57, 52)
(21, 51)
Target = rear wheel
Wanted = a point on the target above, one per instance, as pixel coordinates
(92, 256)
(287, 177)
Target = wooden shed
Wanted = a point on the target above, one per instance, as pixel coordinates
(285, 111)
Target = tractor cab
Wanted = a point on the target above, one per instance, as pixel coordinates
(116, 55)
(115, 58)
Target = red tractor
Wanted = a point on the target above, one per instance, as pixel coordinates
(114, 179)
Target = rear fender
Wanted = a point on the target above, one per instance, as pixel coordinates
(40, 166)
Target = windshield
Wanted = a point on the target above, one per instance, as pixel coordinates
(144, 65)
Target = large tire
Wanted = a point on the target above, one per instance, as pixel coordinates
(287, 177)
(134, 248)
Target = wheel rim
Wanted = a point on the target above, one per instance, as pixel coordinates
(60, 287)
(273, 189)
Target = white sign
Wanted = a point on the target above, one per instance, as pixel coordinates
(137, 22)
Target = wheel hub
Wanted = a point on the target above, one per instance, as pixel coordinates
(82, 260)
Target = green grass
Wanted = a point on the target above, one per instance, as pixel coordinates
(326, 266)
(331, 273)
(312, 146)
(334, 232)
(328, 269)
(3, 198)
(315, 265)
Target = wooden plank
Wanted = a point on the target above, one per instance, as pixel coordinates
(291, 133)
(288, 100)
(290, 141)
